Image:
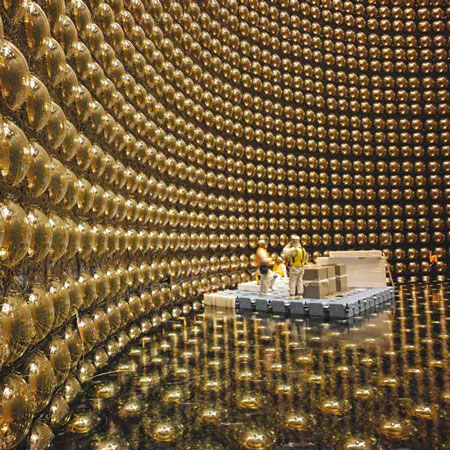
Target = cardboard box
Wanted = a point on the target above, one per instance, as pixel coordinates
(315, 273)
(316, 289)
(341, 269)
(341, 283)
(365, 268)
(332, 287)
(331, 271)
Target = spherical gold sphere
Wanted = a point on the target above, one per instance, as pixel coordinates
(255, 439)
(17, 406)
(164, 432)
(41, 379)
(42, 312)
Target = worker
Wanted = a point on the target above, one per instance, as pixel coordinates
(297, 257)
(263, 263)
(279, 268)
(279, 271)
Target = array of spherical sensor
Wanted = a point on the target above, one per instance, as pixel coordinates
(174, 134)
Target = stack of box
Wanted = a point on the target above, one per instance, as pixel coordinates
(321, 281)
(341, 277)
(315, 282)
(331, 274)
(365, 268)
(223, 299)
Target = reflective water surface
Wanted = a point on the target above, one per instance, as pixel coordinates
(220, 380)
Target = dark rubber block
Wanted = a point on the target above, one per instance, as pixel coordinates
(297, 307)
(245, 303)
(261, 305)
(340, 310)
(318, 308)
(278, 306)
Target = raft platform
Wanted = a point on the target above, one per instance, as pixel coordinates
(351, 303)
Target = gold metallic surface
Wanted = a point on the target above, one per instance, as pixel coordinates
(17, 409)
(145, 146)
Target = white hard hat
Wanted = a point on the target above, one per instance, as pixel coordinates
(262, 242)
(295, 237)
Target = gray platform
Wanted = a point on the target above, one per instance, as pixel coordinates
(352, 303)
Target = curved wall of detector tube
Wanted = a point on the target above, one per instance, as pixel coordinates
(145, 147)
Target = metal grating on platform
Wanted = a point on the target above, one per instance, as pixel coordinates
(342, 306)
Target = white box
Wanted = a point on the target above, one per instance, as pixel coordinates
(209, 299)
(220, 300)
(251, 286)
(223, 301)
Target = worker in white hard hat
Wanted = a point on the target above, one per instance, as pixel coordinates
(263, 263)
(297, 257)
(279, 268)
(279, 271)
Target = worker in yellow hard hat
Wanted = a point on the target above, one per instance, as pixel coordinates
(263, 263)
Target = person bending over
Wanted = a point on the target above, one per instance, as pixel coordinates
(279, 270)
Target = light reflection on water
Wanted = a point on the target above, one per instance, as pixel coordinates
(221, 380)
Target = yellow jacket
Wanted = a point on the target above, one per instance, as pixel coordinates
(280, 269)
(298, 257)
